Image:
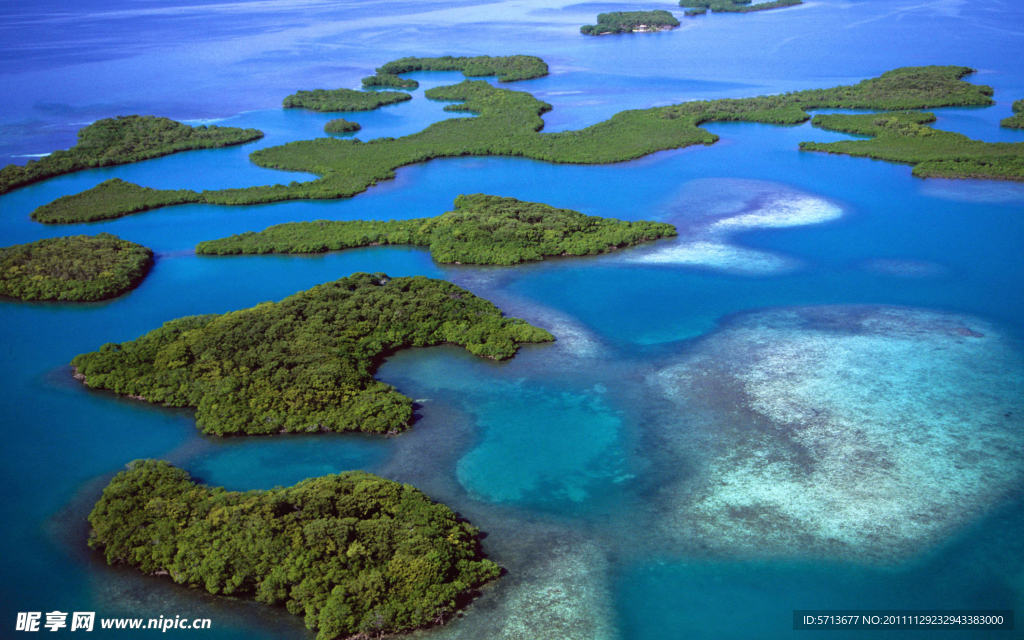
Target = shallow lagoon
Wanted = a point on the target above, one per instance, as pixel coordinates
(577, 526)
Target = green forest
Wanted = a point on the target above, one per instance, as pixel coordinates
(1016, 121)
(481, 230)
(352, 552)
(389, 80)
(304, 364)
(630, 21)
(509, 123)
(905, 137)
(73, 268)
(110, 199)
(122, 140)
(328, 100)
(341, 125)
(506, 68)
(734, 6)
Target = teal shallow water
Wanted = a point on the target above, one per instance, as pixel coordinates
(563, 444)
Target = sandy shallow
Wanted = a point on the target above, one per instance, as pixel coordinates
(863, 433)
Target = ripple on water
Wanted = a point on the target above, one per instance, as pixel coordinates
(868, 433)
(710, 210)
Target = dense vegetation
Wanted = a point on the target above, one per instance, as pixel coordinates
(122, 140)
(1016, 121)
(304, 364)
(74, 268)
(389, 80)
(110, 199)
(734, 6)
(905, 137)
(630, 21)
(343, 99)
(341, 125)
(507, 68)
(509, 124)
(482, 230)
(354, 553)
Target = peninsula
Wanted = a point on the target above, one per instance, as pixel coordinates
(1016, 121)
(343, 100)
(73, 268)
(481, 230)
(508, 123)
(357, 555)
(122, 140)
(630, 22)
(699, 7)
(304, 364)
(905, 137)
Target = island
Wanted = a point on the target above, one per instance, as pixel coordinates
(509, 123)
(73, 268)
(506, 68)
(341, 125)
(304, 364)
(357, 555)
(630, 22)
(389, 80)
(122, 140)
(1016, 121)
(699, 7)
(325, 100)
(905, 137)
(482, 229)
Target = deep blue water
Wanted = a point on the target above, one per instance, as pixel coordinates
(563, 437)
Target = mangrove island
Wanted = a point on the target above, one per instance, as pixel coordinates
(73, 268)
(122, 140)
(481, 230)
(1016, 121)
(509, 123)
(354, 553)
(343, 100)
(698, 7)
(904, 137)
(341, 125)
(304, 364)
(630, 22)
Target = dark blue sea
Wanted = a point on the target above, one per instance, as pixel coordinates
(812, 399)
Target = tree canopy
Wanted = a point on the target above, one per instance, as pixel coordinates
(343, 99)
(122, 140)
(73, 268)
(482, 230)
(1016, 121)
(341, 125)
(507, 68)
(905, 137)
(304, 364)
(734, 6)
(352, 552)
(630, 21)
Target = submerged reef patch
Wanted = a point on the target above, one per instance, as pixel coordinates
(712, 209)
(865, 433)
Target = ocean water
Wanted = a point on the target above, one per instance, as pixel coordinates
(622, 506)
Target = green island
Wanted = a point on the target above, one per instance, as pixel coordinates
(122, 140)
(341, 125)
(357, 555)
(508, 123)
(304, 364)
(327, 100)
(111, 198)
(481, 230)
(630, 22)
(699, 7)
(506, 68)
(905, 137)
(73, 268)
(1016, 121)
(389, 80)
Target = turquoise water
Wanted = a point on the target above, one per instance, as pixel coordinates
(568, 456)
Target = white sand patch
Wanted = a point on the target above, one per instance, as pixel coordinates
(711, 210)
(869, 433)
